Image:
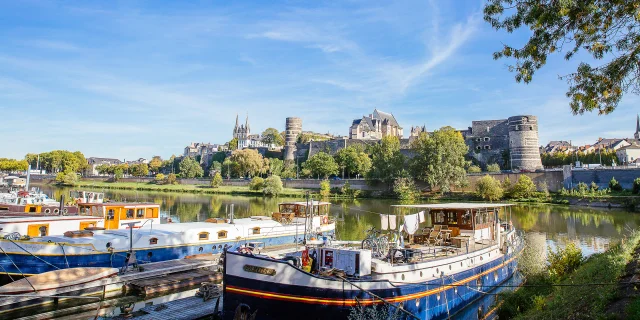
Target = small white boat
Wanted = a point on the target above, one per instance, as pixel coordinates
(53, 280)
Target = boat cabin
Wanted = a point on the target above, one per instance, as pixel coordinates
(81, 196)
(300, 212)
(18, 226)
(115, 213)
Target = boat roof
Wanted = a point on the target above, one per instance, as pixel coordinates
(455, 205)
(34, 218)
(304, 203)
(121, 204)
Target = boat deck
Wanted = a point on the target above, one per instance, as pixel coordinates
(416, 253)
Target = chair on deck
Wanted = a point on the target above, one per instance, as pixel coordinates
(435, 237)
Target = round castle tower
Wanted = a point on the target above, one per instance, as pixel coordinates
(523, 143)
(293, 128)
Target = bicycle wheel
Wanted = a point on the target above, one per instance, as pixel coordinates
(370, 244)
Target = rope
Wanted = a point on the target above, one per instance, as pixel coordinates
(65, 254)
(14, 264)
(25, 250)
(378, 297)
(446, 300)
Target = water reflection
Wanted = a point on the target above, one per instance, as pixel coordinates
(551, 225)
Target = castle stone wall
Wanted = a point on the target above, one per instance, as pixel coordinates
(293, 128)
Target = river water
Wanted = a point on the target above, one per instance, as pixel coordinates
(546, 225)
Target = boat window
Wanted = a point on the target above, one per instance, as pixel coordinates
(140, 213)
(153, 241)
(439, 217)
(151, 213)
(256, 230)
(452, 218)
(466, 218)
(129, 213)
(203, 235)
(222, 234)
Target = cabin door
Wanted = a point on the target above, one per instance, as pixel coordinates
(112, 219)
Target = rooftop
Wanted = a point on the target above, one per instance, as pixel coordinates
(455, 205)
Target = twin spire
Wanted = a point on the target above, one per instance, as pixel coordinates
(246, 123)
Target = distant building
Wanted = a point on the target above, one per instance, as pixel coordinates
(95, 161)
(558, 146)
(139, 161)
(629, 154)
(374, 127)
(242, 132)
(612, 144)
(637, 134)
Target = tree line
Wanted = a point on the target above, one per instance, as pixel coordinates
(557, 159)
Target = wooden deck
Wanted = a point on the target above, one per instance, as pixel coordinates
(183, 309)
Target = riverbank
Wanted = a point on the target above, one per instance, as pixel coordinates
(588, 292)
(186, 188)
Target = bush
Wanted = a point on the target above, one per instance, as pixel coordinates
(582, 189)
(494, 167)
(348, 191)
(172, 179)
(256, 184)
(159, 178)
(564, 261)
(217, 180)
(325, 188)
(474, 169)
(614, 185)
(636, 186)
(272, 186)
(68, 178)
(489, 188)
(524, 188)
(405, 189)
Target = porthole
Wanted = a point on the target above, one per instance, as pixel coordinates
(200, 249)
(437, 271)
(495, 276)
(438, 297)
(420, 274)
(455, 290)
(417, 303)
(149, 255)
(489, 254)
(460, 263)
(402, 277)
(480, 258)
(220, 246)
(449, 267)
(108, 245)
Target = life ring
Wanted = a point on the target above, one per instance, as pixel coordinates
(325, 220)
(47, 211)
(56, 211)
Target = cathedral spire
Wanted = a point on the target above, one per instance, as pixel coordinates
(246, 124)
(237, 123)
(637, 135)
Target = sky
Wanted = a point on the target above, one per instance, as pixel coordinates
(131, 79)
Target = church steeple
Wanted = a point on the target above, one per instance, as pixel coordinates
(637, 135)
(237, 123)
(246, 124)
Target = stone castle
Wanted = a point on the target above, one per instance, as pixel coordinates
(375, 126)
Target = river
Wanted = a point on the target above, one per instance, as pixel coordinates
(546, 225)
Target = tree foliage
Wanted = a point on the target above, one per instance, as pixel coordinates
(272, 186)
(68, 178)
(474, 169)
(216, 181)
(155, 164)
(321, 164)
(387, 163)
(325, 188)
(233, 144)
(494, 167)
(272, 136)
(405, 189)
(440, 159)
(172, 178)
(614, 185)
(139, 170)
(557, 159)
(247, 162)
(190, 168)
(607, 30)
(276, 166)
(354, 160)
(59, 161)
(257, 183)
(489, 188)
(524, 188)
(11, 165)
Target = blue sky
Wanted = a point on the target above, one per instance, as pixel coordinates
(130, 79)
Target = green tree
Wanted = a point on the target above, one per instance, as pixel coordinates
(272, 136)
(189, 168)
(474, 169)
(140, 170)
(614, 185)
(247, 161)
(494, 167)
(155, 164)
(276, 166)
(387, 163)
(606, 30)
(273, 186)
(289, 171)
(10, 165)
(159, 178)
(353, 160)
(321, 165)
(325, 188)
(227, 168)
(257, 183)
(233, 144)
(440, 159)
(489, 188)
(68, 178)
(636, 186)
(216, 181)
(524, 188)
(172, 178)
(406, 189)
(564, 261)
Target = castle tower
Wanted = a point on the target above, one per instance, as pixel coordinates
(523, 143)
(293, 128)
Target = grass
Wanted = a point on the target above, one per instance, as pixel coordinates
(581, 300)
(185, 188)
